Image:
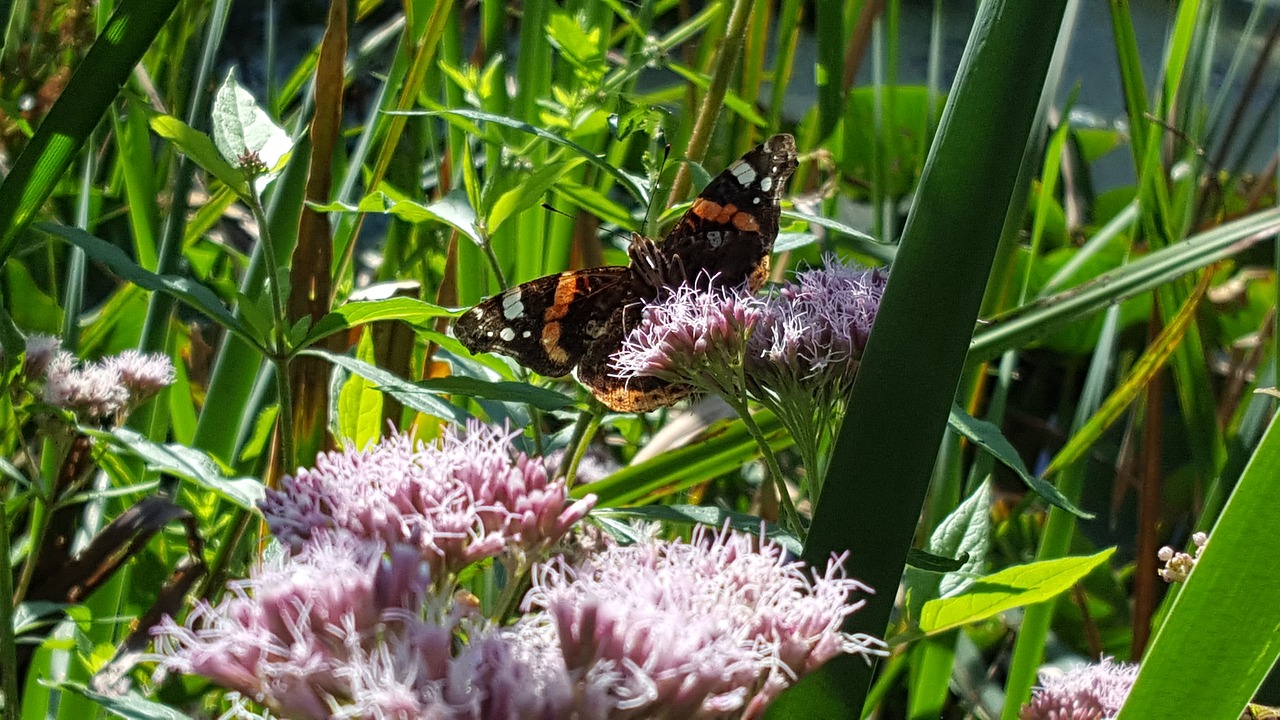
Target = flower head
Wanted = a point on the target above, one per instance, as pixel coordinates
(142, 374)
(695, 335)
(804, 353)
(1085, 692)
(816, 327)
(465, 498)
(41, 350)
(94, 391)
(720, 624)
(1178, 565)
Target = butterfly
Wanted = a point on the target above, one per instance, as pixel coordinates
(579, 318)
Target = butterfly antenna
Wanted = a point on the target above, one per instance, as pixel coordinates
(551, 208)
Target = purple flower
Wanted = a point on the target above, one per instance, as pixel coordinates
(816, 327)
(336, 632)
(280, 635)
(142, 374)
(719, 625)
(92, 392)
(696, 335)
(41, 350)
(1085, 692)
(465, 498)
(804, 353)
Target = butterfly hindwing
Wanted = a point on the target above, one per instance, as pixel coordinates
(547, 324)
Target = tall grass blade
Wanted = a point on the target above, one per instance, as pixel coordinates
(900, 402)
(88, 95)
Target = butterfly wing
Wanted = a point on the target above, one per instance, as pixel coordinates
(730, 228)
(547, 324)
(637, 394)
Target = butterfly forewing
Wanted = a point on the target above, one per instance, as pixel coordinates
(546, 324)
(730, 228)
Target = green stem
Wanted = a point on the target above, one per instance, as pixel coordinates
(713, 102)
(280, 352)
(8, 646)
(791, 518)
(587, 424)
(213, 581)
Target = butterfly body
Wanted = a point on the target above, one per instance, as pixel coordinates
(578, 319)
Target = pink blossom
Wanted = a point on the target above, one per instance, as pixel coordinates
(1085, 692)
(718, 626)
(459, 500)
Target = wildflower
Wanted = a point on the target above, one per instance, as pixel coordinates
(93, 392)
(718, 625)
(803, 354)
(1178, 565)
(1085, 692)
(462, 499)
(696, 335)
(41, 350)
(142, 374)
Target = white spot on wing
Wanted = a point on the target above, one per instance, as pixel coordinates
(766, 184)
(526, 334)
(512, 308)
(507, 334)
(745, 174)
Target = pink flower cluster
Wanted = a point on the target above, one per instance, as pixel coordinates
(361, 614)
(94, 390)
(1085, 692)
(460, 500)
(714, 627)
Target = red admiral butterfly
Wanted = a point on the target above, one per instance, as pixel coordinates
(580, 317)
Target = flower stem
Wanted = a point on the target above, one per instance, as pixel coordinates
(8, 647)
(791, 518)
(280, 351)
(585, 429)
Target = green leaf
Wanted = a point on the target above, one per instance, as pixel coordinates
(863, 243)
(241, 128)
(197, 146)
(923, 561)
(625, 180)
(355, 314)
(528, 192)
(80, 106)
(1010, 588)
(989, 438)
(501, 390)
(187, 463)
(1225, 624)
(713, 517)
(724, 447)
(409, 394)
(187, 290)
(131, 705)
(359, 405)
(966, 532)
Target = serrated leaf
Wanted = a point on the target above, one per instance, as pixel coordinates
(967, 530)
(187, 463)
(409, 394)
(200, 149)
(713, 517)
(242, 128)
(988, 437)
(1010, 588)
